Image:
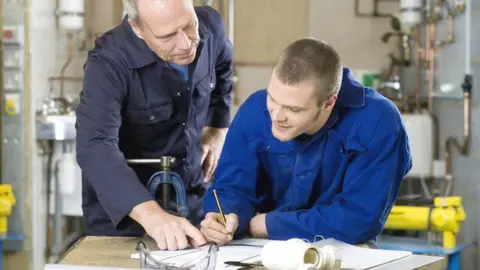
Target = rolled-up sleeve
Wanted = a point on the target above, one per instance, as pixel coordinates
(98, 155)
(220, 100)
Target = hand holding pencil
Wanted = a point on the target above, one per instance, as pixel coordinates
(218, 227)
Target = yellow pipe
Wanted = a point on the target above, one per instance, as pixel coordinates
(444, 216)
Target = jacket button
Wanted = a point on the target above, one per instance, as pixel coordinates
(211, 85)
(152, 117)
(179, 94)
(183, 123)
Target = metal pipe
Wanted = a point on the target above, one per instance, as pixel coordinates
(452, 142)
(231, 21)
(65, 78)
(70, 50)
(1, 84)
(28, 113)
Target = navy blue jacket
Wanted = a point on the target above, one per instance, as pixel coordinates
(133, 105)
(339, 183)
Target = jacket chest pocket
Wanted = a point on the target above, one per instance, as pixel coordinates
(149, 123)
(202, 98)
(339, 152)
(279, 157)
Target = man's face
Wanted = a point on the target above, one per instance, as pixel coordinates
(169, 28)
(294, 109)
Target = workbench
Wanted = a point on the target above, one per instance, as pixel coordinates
(116, 251)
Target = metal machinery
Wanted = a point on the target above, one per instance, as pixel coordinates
(444, 216)
(160, 181)
(14, 124)
(426, 204)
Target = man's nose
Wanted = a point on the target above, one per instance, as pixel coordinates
(183, 42)
(278, 115)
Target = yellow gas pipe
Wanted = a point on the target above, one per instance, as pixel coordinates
(445, 216)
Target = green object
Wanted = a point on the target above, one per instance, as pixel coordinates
(368, 78)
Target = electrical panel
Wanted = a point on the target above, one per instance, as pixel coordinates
(12, 143)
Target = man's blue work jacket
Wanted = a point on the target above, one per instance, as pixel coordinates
(339, 183)
(134, 106)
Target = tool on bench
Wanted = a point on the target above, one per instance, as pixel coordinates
(162, 178)
(207, 260)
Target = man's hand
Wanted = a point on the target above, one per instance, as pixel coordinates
(258, 228)
(212, 144)
(169, 231)
(213, 229)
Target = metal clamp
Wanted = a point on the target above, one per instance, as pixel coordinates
(166, 176)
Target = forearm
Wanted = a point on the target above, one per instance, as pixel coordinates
(330, 221)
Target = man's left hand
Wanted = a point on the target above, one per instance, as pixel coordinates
(212, 144)
(258, 227)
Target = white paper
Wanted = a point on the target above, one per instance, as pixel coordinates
(226, 253)
(248, 250)
(359, 258)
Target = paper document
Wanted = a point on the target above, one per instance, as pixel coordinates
(359, 258)
(248, 250)
(225, 253)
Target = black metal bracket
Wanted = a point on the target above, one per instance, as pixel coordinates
(375, 11)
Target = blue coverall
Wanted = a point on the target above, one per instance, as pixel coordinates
(338, 183)
(133, 106)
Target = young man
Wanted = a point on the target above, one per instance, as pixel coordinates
(315, 154)
(151, 86)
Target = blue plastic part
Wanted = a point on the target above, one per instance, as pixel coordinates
(9, 237)
(169, 177)
(419, 246)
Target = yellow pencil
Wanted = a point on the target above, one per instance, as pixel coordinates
(220, 209)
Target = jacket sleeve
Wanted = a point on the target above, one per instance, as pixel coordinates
(358, 213)
(98, 121)
(219, 109)
(235, 177)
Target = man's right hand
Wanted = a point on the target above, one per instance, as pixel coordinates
(213, 229)
(169, 232)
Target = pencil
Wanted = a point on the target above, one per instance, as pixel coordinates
(220, 209)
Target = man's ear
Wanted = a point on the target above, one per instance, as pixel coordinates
(330, 102)
(136, 29)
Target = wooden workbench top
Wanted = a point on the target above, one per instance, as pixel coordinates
(104, 251)
(116, 251)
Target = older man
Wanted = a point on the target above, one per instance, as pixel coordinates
(315, 154)
(152, 86)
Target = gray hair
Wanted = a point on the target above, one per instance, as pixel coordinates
(131, 9)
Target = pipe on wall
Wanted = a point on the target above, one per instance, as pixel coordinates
(452, 142)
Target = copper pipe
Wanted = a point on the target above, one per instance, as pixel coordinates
(452, 142)
(429, 62)
(451, 37)
(418, 72)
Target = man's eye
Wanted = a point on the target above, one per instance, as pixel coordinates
(295, 110)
